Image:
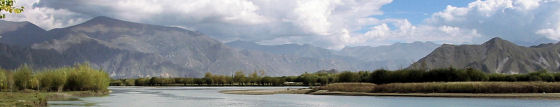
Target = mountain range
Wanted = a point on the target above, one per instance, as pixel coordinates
(126, 49)
(396, 56)
(494, 56)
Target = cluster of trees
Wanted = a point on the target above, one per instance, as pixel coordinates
(80, 77)
(324, 77)
(534, 76)
(257, 78)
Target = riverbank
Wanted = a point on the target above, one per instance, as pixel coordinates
(473, 95)
(269, 91)
(326, 92)
(35, 98)
(546, 90)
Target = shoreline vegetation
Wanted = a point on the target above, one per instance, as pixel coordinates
(324, 77)
(24, 86)
(445, 82)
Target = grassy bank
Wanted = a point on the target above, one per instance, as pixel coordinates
(470, 87)
(34, 98)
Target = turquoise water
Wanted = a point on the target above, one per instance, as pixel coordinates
(210, 96)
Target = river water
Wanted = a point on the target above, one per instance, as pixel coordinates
(210, 97)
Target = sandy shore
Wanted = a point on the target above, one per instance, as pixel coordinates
(325, 92)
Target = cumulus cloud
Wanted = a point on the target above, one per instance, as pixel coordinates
(331, 24)
(45, 17)
(321, 21)
(523, 21)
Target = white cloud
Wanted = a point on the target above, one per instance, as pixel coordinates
(522, 21)
(404, 31)
(331, 24)
(47, 18)
(552, 33)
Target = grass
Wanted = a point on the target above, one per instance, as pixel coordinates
(470, 87)
(36, 98)
(447, 87)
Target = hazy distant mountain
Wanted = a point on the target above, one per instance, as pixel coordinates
(127, 49)
(398, 55)
(495, 56)
(394, 56)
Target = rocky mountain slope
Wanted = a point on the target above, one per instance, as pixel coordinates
(128, 49)
(494, 56)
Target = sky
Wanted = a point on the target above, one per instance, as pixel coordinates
(331, 24)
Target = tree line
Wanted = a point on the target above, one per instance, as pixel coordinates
(80, 77)
(323, 77)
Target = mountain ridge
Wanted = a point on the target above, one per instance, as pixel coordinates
(131, 50)
(494, 56)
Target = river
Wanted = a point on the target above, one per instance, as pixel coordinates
(210, 97)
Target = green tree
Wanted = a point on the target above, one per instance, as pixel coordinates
(239, 77)
(380, 76)
(8, 6)
(348, 76)
(254, 78)
(3, 79)
(23, 76)
(209, 78)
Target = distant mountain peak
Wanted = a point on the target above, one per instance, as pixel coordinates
(108, 21)
(103, 18)
(498, 42)
(494, 56)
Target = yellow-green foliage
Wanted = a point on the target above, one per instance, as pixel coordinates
(470, 87)
(23, 76)
(53, 79)
(77, 78)
(83, 77)
(349, 87)
(3, 79)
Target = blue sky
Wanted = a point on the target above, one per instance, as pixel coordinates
(415, 11)
(331, 24)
